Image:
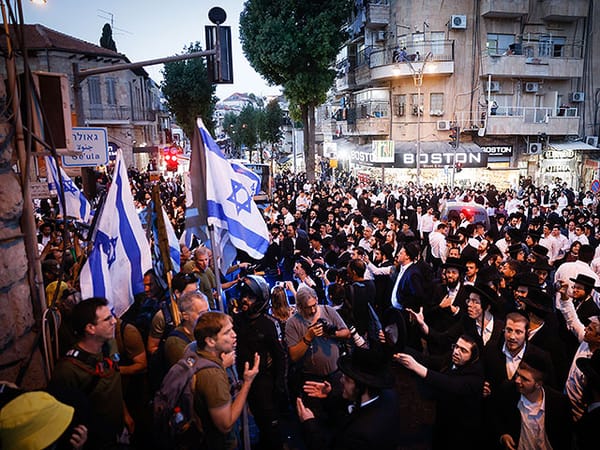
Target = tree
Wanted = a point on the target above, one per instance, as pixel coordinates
(293, 43)
(188, 91)
(248, 128)
(106, 40)
(270, 131)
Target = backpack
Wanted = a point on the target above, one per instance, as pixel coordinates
(174, 416)
(157, 363)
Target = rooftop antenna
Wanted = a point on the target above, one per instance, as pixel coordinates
(107, 15)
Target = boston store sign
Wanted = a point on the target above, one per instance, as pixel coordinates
(433, 155)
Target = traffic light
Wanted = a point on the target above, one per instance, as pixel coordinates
(457, 167)
(454, 137)
(170, 156)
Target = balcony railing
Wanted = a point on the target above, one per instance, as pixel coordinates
(513, 120)
(119, 113)
(440, 50)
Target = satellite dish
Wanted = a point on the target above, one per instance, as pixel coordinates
(217, 15)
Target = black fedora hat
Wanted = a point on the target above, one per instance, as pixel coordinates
(368, 367)
(453, 263)
(528, 279)
(539, 250)
(591, 368)
(486, 293)
(453, 239)
(537, 302)
(514, 249)
(585, 280)
(542, 264)
(515, 235)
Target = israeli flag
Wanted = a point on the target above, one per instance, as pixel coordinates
(230, 205)
(121, 254)
(250, 179)
(76, 205)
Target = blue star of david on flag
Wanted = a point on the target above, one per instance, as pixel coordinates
(108, 246)
(70, 187)
(240, 197)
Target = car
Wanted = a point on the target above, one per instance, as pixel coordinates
(473, 212)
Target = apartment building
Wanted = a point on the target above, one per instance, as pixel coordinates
(515, 77)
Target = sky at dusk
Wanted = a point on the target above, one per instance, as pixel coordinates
(149, 29)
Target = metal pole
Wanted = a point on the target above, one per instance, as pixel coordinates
(419, 133)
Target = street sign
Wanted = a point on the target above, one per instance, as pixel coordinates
(595, 186)
(91, 145)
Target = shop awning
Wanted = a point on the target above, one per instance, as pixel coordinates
(563, 146)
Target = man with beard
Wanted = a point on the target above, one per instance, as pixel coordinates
(312, 336)
(450, 297)
(259, 333)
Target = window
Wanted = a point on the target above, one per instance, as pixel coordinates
(436, 104)
(498, 44)
(94, 91)
(414, 101)
(111, 91)
(399, 105)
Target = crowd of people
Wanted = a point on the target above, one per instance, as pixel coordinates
(366, 292)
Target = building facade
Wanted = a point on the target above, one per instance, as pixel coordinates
(515, 77)
(126, 102)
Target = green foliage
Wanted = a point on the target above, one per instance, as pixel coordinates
(273, 118)
(294, 43)
(188, 91)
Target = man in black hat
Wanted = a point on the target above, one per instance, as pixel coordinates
(586, 430)
(580, 297)
(531, 415)
(541, 268)
(449, 296)
(373, 419)
(458, 384)
(544, 330)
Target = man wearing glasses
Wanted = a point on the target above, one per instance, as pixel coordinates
(312, 334)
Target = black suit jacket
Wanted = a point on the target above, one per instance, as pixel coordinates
(374, 426)
(288, 250)
(459, 413)
(494, 363)
(558, 423)
(586, 430)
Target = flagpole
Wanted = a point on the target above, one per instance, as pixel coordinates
(215, 249)
(163, 245)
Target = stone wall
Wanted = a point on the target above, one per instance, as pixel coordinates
(17, 322)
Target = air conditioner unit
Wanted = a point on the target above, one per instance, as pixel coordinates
(534, 148)
(380, 36)
(592, 140)
(530, 86)
(577, 97)
(493, 86)
(458, 22)
(443, 125)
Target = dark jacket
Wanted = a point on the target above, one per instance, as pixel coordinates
(558, 422)
(374, 426)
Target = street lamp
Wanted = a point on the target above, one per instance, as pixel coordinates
(418, 80)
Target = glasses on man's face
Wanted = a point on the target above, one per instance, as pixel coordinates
(473, 300)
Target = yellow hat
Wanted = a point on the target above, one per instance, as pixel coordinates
(51, 288)
(33, 421)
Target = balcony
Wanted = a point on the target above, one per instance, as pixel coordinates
(563, 10)
(378, 14)
(345, 79)
(504, 9)
(533, 121)
(385, 64)
(118, 115)
(537, 60)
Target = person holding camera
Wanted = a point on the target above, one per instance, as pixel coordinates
(312, 336)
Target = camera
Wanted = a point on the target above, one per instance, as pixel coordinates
(280, 284)
(328, 328)
(557, 286)
(319, 272)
